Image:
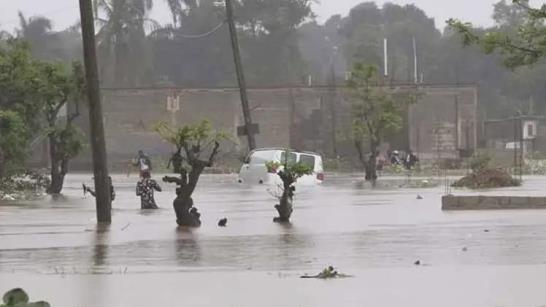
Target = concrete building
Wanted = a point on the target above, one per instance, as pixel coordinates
(525, 132)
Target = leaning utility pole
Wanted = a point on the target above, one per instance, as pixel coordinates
(248, 128)
(100, 169)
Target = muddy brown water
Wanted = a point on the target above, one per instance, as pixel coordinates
(54, 249)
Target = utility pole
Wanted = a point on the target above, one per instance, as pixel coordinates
(415, 61)
(249, 128)
(333, 105)
(385, 58)
(100, 169)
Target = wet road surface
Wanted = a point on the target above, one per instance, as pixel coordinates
(492, 258)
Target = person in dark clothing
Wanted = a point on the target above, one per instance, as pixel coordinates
(395, 158)
(87, 189)
(145, 189)
(411, 160)
(143, 162)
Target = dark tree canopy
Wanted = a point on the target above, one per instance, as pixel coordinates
(520, 35)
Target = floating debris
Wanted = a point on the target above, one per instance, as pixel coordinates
(125, 227)
(327, 273)
(419, 197)
(418, 262)
(222, 222)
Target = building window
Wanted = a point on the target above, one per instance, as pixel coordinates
(530, 130)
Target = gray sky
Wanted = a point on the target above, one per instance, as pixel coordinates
(65, 12)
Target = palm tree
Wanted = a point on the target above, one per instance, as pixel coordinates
(37, 32)
(121, 38)
(177, 9)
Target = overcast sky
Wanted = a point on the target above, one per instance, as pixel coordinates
(65, 12)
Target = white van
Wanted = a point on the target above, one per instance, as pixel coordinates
(254, 170)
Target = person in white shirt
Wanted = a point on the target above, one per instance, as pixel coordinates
(143, 162)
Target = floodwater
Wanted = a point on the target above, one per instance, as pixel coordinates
(54, 249)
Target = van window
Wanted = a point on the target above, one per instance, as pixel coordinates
(308, 160)
(261, 157)
(292, 158)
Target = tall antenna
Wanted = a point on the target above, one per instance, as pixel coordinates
(415, 78)
(386, 56)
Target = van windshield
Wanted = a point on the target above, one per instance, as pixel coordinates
(261, 157)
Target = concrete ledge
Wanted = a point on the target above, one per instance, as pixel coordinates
(451, 202)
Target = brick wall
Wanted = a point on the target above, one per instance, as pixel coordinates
(299, 117)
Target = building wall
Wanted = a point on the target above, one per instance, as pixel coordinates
(443, 121)
(506, 133)
(302, 118)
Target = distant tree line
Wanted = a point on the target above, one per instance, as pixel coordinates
(282, 44)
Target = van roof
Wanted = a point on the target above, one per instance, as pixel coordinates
(285, 149)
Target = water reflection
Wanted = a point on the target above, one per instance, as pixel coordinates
(187, 248)
(100, 246)
(59, 198)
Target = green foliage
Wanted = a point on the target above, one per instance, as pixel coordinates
(293, 170)
(267, 35)
(191, 142)
(19, 78)
(20, 109)
(61, 86)
(13, 142)
(289, 172)
(375, 112)
(272, 166)
(367, 25)
(190, 136)
(32, 93)
(297, 170)
(69, 140)
(24, 185)
(522, 46)
(19, 298)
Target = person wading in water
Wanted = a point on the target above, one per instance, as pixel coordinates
(145, 189)
(87, 189)
(143, 162)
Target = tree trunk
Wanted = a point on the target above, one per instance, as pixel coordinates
(371, 169)
(371, 164)
(186, 214)
(57, 182)
(59, 168)
(54, 186)
(285, 207)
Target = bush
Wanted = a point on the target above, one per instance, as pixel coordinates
(28, 184)
(19, 298)
(486, 178)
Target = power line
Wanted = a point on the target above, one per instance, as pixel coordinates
(190, 36)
